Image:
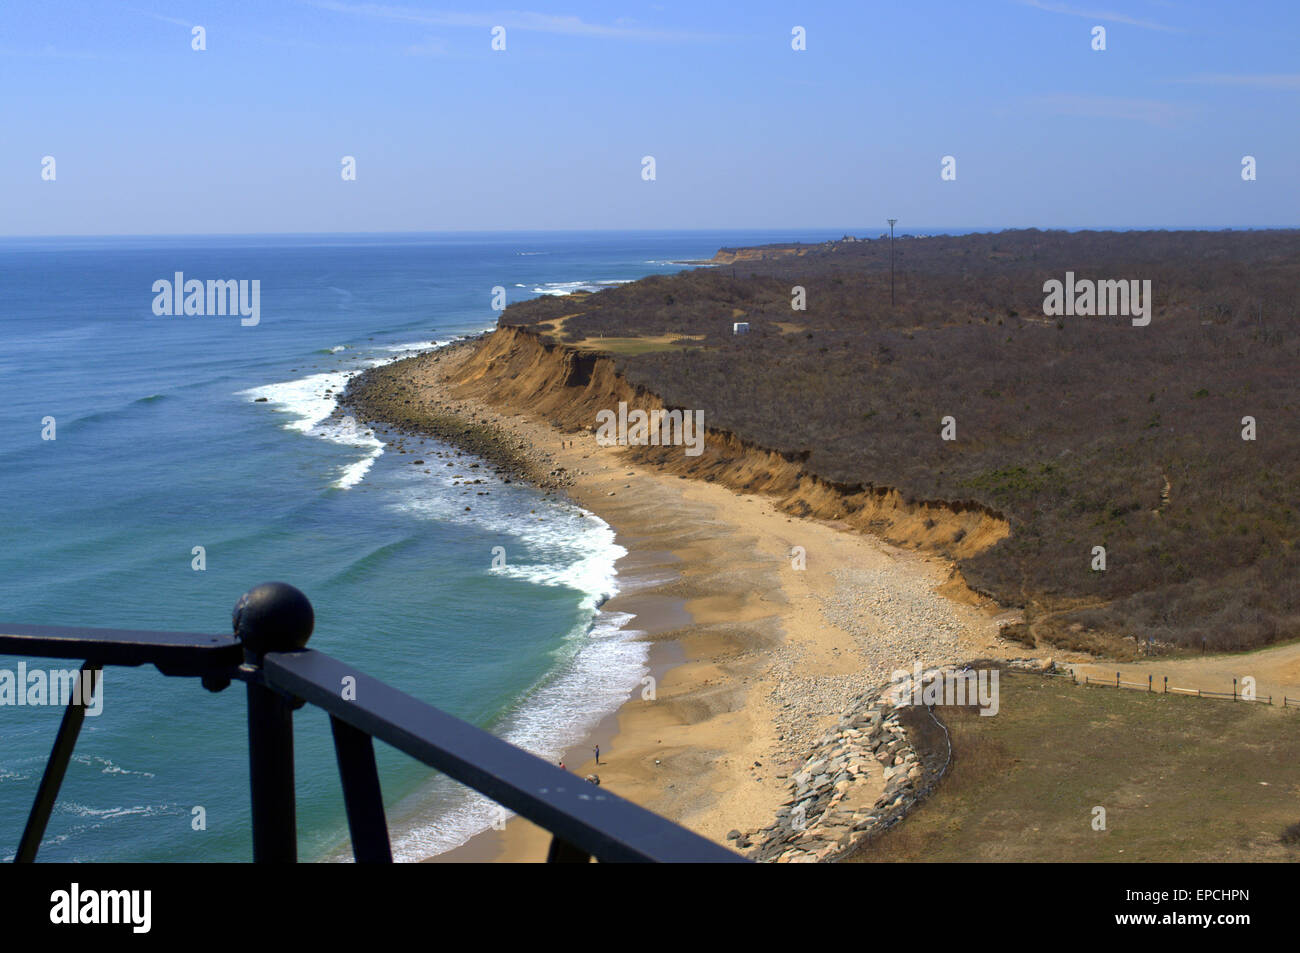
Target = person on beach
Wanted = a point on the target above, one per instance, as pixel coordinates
(596, 748)
(562, 767)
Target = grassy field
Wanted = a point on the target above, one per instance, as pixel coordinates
(637, 345)
(1181, 779)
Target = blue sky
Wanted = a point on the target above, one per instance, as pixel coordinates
(152, 137)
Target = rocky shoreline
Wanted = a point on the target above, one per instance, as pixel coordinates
(823, 819)
(521, 411)
(387, 398)
(826, 817)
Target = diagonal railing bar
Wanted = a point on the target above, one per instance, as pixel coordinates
(64, 743)
(361, 794)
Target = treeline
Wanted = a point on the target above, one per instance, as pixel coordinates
(1083, 431)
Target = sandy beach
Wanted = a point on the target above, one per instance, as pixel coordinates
(753, 655)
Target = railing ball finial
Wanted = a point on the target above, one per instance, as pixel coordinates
(273, 617)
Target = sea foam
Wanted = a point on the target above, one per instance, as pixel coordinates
(310, 402)
(600, 664)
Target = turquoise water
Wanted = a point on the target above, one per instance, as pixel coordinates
(162, 446)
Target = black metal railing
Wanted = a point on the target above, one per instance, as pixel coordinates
(268, 652)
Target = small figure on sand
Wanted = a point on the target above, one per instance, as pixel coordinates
(596, 748)
(562, 767)
(594, 779)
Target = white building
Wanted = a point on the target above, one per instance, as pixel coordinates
(740, 327)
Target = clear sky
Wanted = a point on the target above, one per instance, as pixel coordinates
(151, 136)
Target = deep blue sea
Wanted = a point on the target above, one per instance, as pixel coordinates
(161, 445)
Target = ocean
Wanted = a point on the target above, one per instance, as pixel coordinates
(173, 432)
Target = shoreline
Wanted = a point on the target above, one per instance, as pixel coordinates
(523, 842)
(760, 658)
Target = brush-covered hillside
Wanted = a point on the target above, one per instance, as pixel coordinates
(1081, 431)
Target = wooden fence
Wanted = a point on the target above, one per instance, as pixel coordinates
(1166, 689)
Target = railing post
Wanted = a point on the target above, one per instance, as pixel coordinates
(270, 776)
(272, 617)
(362, 797)
(562, 852)
(83, 693)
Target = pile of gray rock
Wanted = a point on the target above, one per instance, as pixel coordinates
(826, 814)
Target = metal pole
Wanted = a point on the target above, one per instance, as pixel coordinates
(891, 261)
(272, 617)
(270, 775)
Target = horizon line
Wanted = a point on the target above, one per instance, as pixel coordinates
(953, 230)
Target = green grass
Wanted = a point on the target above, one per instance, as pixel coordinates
(1015, 480)
(629, 346)
(1181, 779)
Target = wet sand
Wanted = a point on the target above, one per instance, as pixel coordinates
(749, 667)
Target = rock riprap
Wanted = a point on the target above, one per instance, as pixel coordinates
(822, 819)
